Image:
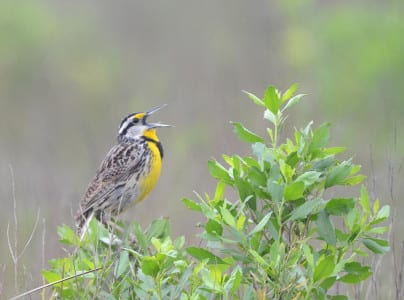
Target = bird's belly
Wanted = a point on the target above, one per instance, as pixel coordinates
(152, 174)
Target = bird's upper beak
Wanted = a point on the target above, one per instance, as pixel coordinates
(152, 111)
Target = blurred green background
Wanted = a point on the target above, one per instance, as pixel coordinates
(71, 70)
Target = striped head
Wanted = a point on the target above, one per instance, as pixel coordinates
(135, 126)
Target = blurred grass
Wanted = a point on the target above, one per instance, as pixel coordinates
(69, 71)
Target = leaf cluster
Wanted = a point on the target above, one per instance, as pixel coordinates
(285, 235)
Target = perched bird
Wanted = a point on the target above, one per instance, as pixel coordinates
(128, 173)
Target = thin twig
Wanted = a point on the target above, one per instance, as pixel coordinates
(14, 249)
(43, 249)
(31, 235)
(53, 283)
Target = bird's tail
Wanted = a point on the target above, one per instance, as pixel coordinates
(82, 223)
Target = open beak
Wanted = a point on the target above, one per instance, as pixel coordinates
(152, 111)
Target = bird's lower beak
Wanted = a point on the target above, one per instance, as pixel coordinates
(152, 111)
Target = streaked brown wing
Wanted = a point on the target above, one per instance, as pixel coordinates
(119, 164)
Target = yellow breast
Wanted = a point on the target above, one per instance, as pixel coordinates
(152, 172)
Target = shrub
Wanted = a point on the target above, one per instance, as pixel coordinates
(282, 237)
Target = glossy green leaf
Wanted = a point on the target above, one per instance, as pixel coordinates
(383, 213)
(141, 238)
(234, 281)
(324, 268)
(246, 135)
(254, 98)
(354, 180)
(159, 228)
(67, 235)
(305, 209)
(326, 228)
(214, 227)
(51, 276)
(293, 101)
(338, 174)
(364, 201)
(338, 297)
(150, 265)
(294, 191)
(260, 226)
(333, 150)
(218, 171)
(123, 263)
(378, 246)
(339, 206)
(258, 258)
(228, 218)
(276, 190)
(271, 100)
(320, 137)
(269, 115)
(203, 254)
(192, 205)
(355, 273)
(309, 178)
(219, 193)
(289, 92)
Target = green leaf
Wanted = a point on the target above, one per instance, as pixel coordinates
(268, 115)
(123, 264)
(333, 150)
(203, 254)
(296, 99)
(323, 164)
(219, 191)
(218, 171)
(51, 276)
(338, 174)
(308, 254)
(67, 235)
(240, 222)
(294, 191)
(276, 190)
(354, 180)
(233, 283)
(150, 266)
(383, 213)
(286, 170)
(377, 246)
(309, 178)
(228, 217)
(214, 228)
(305, 209)
(338, 297)
(140, 237)
(328, 282)
(271, 100)
(355, 273)
(159, 228)
(258, 258)
(254, 98)
(261, 224)
(320, 137)
(339, 206)
(246, 135)
(325, 228)
(192, 205)
(324, 268)
(289, 92)
(379, 230)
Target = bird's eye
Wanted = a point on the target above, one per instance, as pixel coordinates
(135, 120)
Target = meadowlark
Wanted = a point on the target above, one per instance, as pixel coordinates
(128, 173)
